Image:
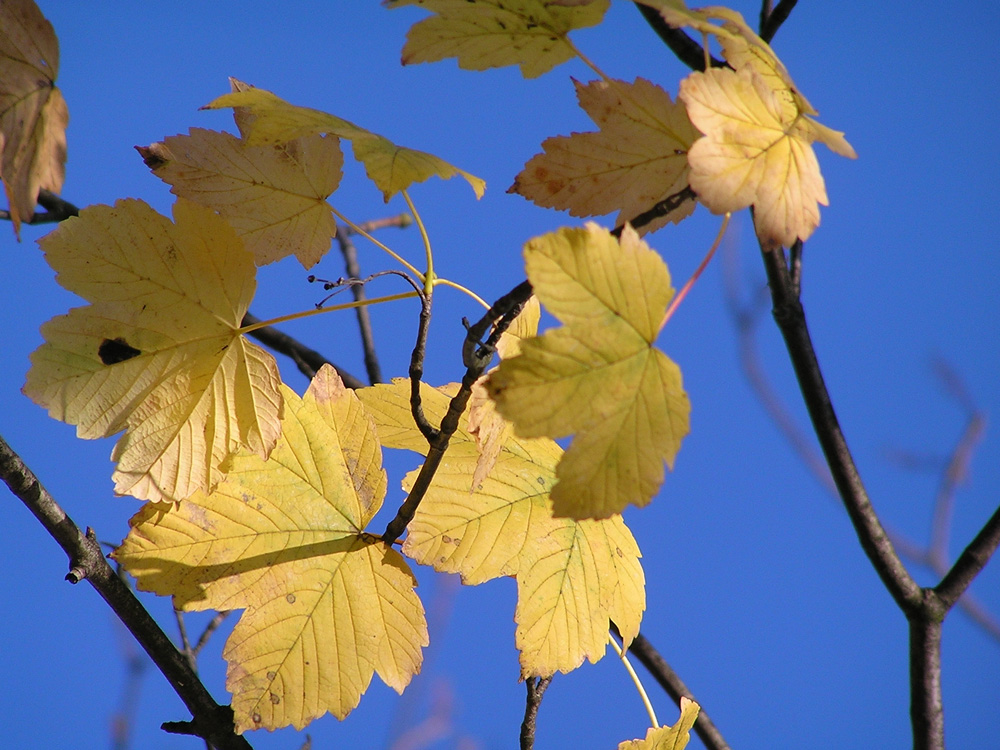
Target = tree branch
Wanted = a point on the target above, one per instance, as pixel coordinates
(56, 209)
(688, 51)
(476, 355)
(790, 317)
(771, 19)
(972, 560)
(353, 269)
(214, 722)
(536, 689)
(926, 710)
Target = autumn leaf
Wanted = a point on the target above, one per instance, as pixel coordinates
(668, 738)
(157, 352)
(33, 114)
(273, 196)
(637, 159)
(758, 130)
(327, 606)
(757, 150)
(484, 34)
(572, 576)
(392, 168)
(599, 376)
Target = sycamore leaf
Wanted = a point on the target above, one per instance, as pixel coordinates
(572, 576)
(392, 168)
(638, 158)
(668, 738)
(273, 196)
(484, 34)
(157, 352)
(756, 151)
(326, 605)
(599, 376)
(757, 148)
(33, 114)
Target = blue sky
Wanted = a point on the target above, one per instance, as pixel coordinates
(758, 592)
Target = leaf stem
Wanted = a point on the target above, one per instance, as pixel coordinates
(675, 303)
(455, 285)
(357, 229)
(427, 278)
(321, 310)
(636, 681)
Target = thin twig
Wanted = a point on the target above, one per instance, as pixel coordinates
(771, 21)
(926, 709)
(56, 210)
(212, 626)
(536, 689)
(687, 50)
(353, 269)
(661, 208)
(476, 355)
(972, 560)
(790, 317)
(87, 562)
(416, 370)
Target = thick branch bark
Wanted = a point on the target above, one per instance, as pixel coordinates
(213, 722)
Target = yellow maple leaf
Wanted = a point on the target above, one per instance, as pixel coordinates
(327, 606)
(757, 150)
(392, 168)
(668, 738)
(33, 114)
(638, 158)
(758, 130)
(157, 352)
(484, 34)
(273, 196)
(572, 576)
(599, 376)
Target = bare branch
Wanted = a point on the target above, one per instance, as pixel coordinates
(790, 317)
(771, 20)
(688, 51)
(972, 560)
(476, 355)
(307, 360)
(56, 209)
(926, 709)
(536, 689)
(214, 722)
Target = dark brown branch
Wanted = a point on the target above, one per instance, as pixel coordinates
(307, 360)
(476, 355)
(662, 208)
(745, 318)
(536, 689)
(416, 371)
(790, 317)
(687, 50)
(86, 561)
(926, 710)
(972, 560)
(56, 209)
(674, 686)
(771, 20)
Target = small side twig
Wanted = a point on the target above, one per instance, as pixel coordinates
(56, 210)
(772, 18)
(687, 50)
(536, 689)
(476, 355)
